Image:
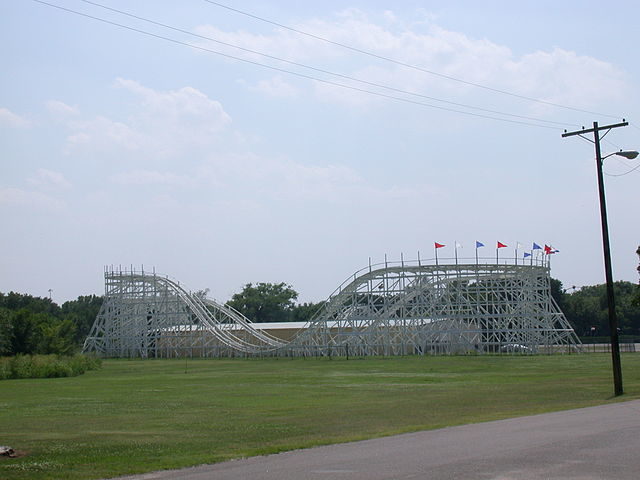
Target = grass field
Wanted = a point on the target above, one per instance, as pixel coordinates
(136, 416)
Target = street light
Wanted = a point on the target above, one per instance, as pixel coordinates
(613, 320)
(630, 154)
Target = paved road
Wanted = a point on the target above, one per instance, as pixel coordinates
(586, 444)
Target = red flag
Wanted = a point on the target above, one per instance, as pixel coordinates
(439, 245)
(501, 245)
(548, 250)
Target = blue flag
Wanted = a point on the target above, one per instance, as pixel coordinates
(536, 246)
(479, 244)
(526, 254)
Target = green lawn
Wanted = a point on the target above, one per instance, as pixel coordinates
(136, 416)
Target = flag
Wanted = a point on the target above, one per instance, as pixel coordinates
(526, 254)
(550, 250)
(439, 245)
(501, 245)
(536, 246)
(518, 246)
(458, 245)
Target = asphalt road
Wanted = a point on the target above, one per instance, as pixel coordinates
(586, 444)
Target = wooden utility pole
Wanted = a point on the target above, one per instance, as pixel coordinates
(613, 319)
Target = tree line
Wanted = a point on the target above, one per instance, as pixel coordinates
(587, 310)
(35, 325)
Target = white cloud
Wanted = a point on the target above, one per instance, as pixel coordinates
(163, 124)
(10, 119)
(49, 179)
(16, 197)
(549, 75)
(184, 108)
(148, 177)
(278, 178)
(103, 133)
(563, 76)
(100, 131)
(282, 43)
(61, 110)
(275, 87)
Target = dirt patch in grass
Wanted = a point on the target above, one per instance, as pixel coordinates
(13, 455)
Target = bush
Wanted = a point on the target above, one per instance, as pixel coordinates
(46, 366)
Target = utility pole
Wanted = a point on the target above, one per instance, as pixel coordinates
(613, 320)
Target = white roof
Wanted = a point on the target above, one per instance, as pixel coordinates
(278, 325)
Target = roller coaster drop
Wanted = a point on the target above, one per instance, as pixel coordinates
(388, 309)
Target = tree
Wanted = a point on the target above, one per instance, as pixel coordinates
(265, 302)
(15, 301)
(25, 332)
(636, 300)
(305, 311)
(34, 325)
(202, 294)
(57, 337)
(82, 313)
(558, 293)
(587, 308)
(6, 331)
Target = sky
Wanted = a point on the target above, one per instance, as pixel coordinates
(222, 149)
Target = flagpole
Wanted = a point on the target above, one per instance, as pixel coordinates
(499, 245)
(455, 249)
(478, 245)
(436, 246)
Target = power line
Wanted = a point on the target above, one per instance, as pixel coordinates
(623, 174)
(613, 144)
(407, 65)
(320, 70)
(290, 72)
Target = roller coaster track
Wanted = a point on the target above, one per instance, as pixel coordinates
(138, 295)
(385, 309)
